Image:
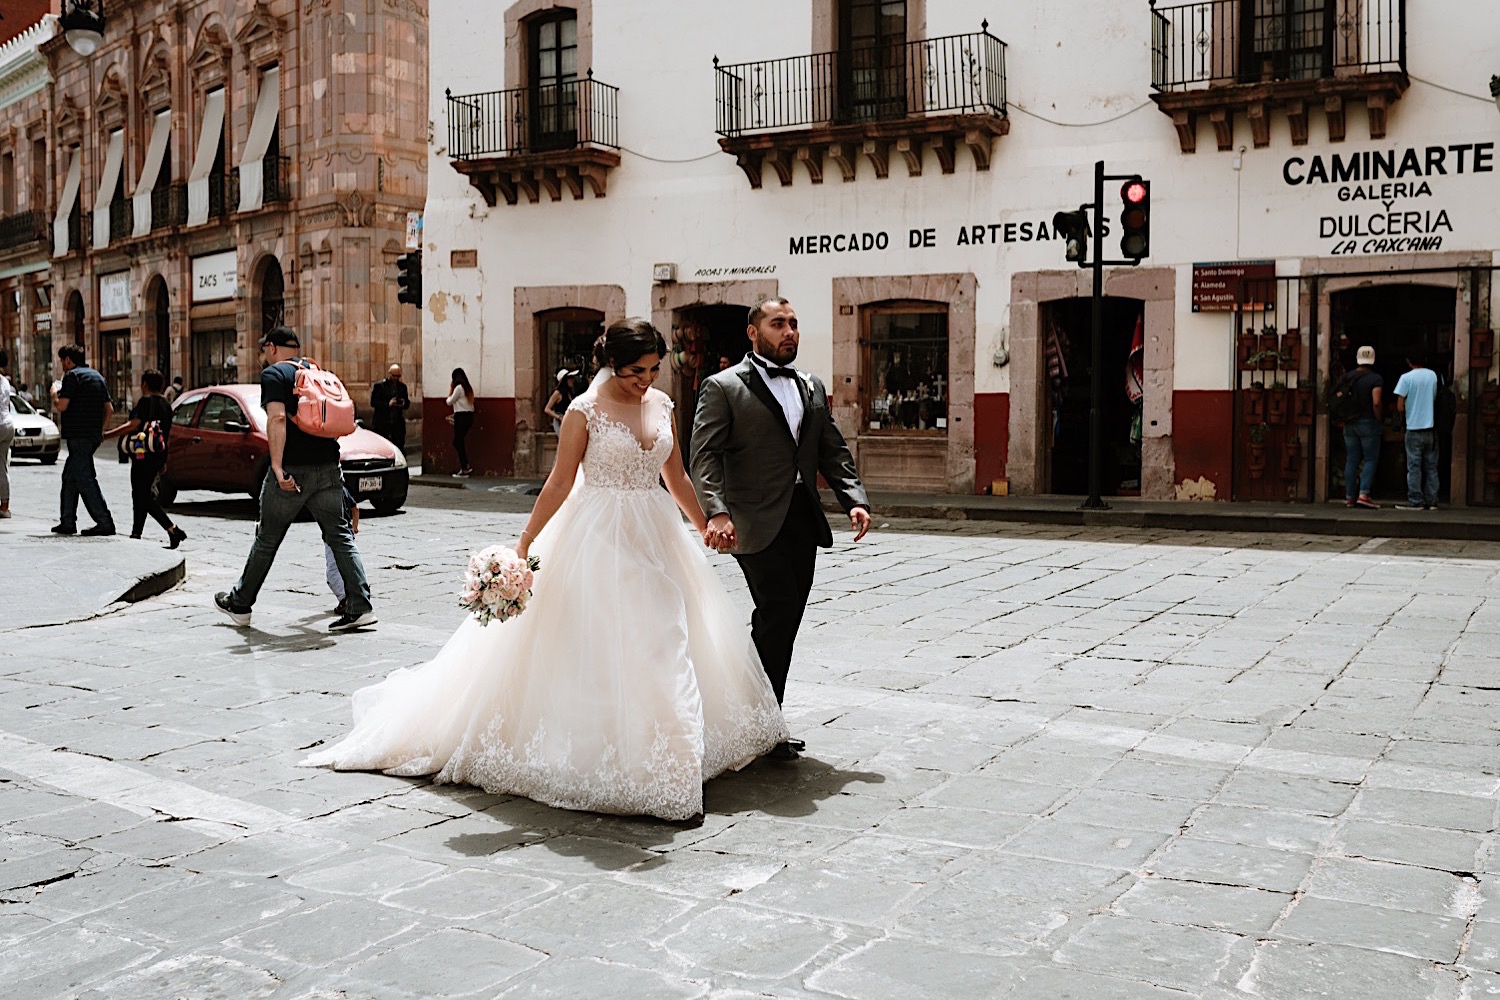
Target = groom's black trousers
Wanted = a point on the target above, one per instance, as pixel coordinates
(780, 577)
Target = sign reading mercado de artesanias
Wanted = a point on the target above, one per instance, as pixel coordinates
(1372, 199)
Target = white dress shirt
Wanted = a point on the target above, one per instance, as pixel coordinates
(786, 392)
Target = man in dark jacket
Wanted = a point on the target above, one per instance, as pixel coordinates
(390, 401)
(82, 400)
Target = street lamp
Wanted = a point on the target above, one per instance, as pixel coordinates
(83, 25)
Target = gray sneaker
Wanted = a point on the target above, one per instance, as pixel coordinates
(348, 623)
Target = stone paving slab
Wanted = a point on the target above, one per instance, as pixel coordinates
(1044, 762)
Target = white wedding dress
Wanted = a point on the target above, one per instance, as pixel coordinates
(628, 682)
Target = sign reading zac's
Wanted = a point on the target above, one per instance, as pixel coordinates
(1382, 179)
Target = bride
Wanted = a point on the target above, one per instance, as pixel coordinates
(630, 680)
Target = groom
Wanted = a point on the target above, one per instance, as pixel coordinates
(761, 436)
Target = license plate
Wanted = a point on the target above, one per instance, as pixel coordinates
(369, 484)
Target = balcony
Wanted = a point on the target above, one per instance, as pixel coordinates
(865, 102)
(535, 139)
(121, 219)
(277, 182)
(1224, 58)
(223, 194)
(168, 206)
(24, 230)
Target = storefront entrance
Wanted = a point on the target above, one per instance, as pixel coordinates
(1067, 350)
(1396, 320)
(704, 340)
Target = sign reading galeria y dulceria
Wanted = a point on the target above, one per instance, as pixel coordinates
(1392, 199)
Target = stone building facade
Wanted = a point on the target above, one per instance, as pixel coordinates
(217, 167)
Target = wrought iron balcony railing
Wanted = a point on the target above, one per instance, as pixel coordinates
(169, 206)
(1221, 42)
(121, 219)
(278, 171)
(955, 74)
(23, 229)
(223, 194)
(533, 119)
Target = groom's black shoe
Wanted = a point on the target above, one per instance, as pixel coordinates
(783, 752)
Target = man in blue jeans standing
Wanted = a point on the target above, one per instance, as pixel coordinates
(82, 399)
(304, 473)
(1416, 398)
(1362, 433)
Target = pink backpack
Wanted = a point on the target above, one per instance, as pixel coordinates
(324, 408)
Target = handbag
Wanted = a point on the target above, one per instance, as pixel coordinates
(148, 440)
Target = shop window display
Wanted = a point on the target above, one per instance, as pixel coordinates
(908, 371)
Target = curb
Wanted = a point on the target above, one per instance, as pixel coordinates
(155, 583)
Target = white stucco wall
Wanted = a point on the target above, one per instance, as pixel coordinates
(1082, 63)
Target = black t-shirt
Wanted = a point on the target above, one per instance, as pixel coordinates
(149, 408)
(277, 385)
(86, 393)
(1365, 383)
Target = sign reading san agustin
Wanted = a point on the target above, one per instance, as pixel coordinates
(1387, 192)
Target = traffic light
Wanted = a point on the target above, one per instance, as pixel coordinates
(1135, 218)
(1074, 227)
(409, 278)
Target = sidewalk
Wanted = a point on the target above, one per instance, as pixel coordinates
(1460, 523)
(51, 579)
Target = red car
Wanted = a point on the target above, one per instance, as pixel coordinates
(219, 442)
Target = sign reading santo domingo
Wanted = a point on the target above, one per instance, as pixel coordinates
(1394, 200)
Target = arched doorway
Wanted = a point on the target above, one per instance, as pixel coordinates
(272, 296)
(1399, 321)
(159, 309)
(1068, 362)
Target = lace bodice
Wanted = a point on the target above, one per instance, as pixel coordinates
(614, 458)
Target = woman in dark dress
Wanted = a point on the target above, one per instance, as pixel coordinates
(146, 466)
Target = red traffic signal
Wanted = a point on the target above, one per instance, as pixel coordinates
(1135, 218)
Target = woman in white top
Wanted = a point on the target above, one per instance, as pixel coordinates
(461, 398)
(7, 434)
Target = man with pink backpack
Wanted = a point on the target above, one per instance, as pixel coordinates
(307, 410)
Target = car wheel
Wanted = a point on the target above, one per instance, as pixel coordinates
(386, 506)
(49, 459)
(166, 490)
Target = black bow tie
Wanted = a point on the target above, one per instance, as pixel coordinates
(787, 372)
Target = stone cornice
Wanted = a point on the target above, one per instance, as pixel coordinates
(23, 67)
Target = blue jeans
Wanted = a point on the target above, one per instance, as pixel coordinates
(80, 481)
(323, 496)
(1422, 467)
(1361, 448)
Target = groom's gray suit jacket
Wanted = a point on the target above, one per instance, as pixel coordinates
(744, 459)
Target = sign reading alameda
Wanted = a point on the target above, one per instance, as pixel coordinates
(1387, 196)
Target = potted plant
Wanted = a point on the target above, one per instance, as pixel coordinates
(1291, 350)
(1276, 403)
(1255, 403)
(1270, 349)
(1256, 453)
(1302, 405)
(1245, 347)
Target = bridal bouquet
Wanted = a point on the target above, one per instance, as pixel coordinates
(497, 584)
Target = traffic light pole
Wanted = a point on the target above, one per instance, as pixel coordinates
(1096, 368)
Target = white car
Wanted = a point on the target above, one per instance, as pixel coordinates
(36, 436)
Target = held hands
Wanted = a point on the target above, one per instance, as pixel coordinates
(719, 533)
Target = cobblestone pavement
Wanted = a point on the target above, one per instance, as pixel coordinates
(1042, 763)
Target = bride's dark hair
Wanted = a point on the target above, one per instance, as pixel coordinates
(627, 341)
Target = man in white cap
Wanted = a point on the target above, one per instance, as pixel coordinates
(561, 398)
(1362, 432)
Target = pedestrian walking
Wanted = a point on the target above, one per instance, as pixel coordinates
(330, 560)
(561, 398)
(461, 399)
(145, 437)
(1362, 431)
(173, 391)
(82, 400)
(389, 400)
(1416, 399)
(7, 432)
(762, 435)
(304, 475)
